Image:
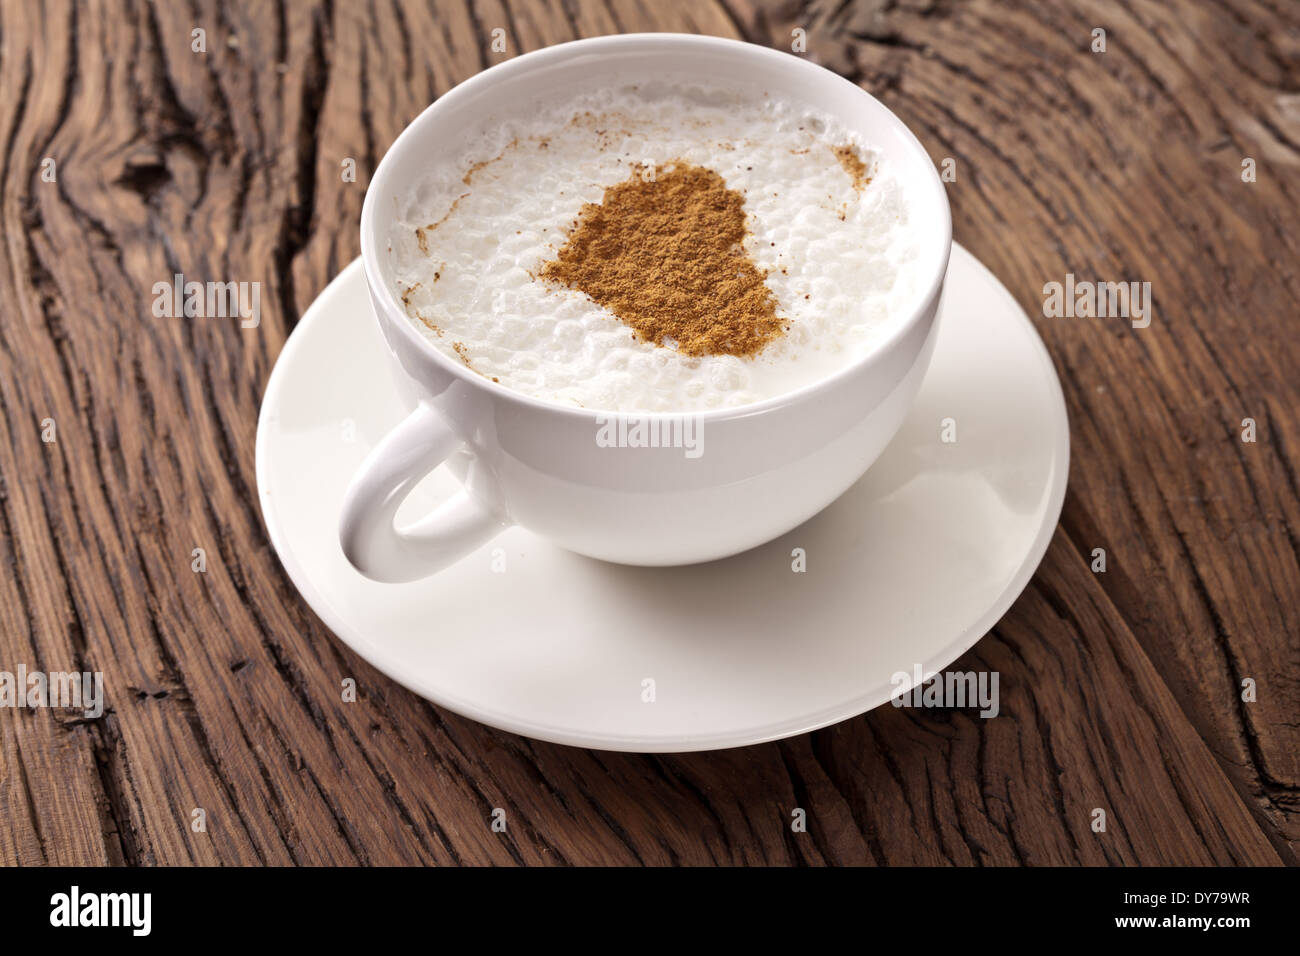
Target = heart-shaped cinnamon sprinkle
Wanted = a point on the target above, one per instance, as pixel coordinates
(665, 253)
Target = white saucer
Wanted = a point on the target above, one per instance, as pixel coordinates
(911, 566)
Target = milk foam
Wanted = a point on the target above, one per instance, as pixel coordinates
(469, 239)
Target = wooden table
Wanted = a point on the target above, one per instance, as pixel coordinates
(1121, 690)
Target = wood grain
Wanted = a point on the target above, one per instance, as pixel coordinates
(1120, 690)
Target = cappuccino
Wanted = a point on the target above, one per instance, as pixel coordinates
(657, 247)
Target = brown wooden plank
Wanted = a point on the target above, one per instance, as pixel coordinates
(1127, 165)
(1120, 691)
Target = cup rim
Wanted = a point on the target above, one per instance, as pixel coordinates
(605, 45)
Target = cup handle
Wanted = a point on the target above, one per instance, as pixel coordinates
(367, 531)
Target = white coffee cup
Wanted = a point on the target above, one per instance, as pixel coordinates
(761, 470)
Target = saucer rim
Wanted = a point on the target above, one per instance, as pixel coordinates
(376, 657)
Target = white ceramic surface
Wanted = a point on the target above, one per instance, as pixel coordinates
(912, 565)
(766, 467)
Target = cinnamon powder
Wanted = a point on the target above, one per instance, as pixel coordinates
(665, 254)
(853, 165)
